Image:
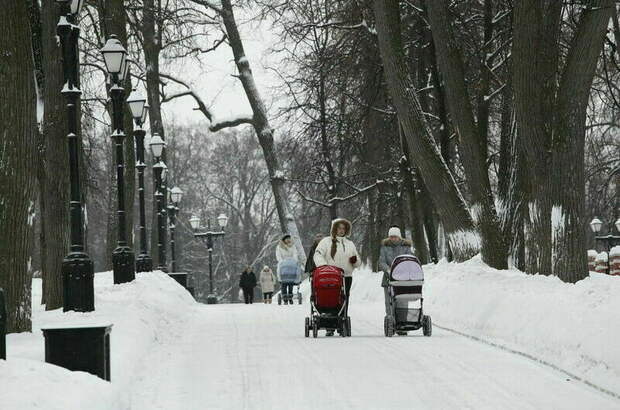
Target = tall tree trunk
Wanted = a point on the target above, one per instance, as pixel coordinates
(55, 194)
(568, 170)
(18, 151)
(416, 215)
(263, 129)
(464, 239)
(494, 251)
(535, 50)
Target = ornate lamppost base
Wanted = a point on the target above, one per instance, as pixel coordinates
(211, 299)
(124, 263)
(78, 273)
(144, 263)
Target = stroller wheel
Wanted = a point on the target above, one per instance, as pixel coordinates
(348, 326)
(315, 329)
(388, 326)
(427, 326)
(307, 327)
(279, 298)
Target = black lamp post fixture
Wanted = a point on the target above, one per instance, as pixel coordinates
(176, 194)
(207, 237)
(160, 170)
(139, 111)
(117, 64)
(77, 267)
(609, 239)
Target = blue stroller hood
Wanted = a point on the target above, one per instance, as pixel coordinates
(289, 271)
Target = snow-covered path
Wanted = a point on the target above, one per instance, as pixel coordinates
(256, 357)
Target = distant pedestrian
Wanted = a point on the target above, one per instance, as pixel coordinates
(267, 283)
(285, 253)
(247, 283)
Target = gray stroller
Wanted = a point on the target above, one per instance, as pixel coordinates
(405, 288)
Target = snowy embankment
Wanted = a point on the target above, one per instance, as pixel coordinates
(144, 313)
(575, 327)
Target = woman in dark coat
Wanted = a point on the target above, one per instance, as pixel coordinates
(247, 283)
(310, 266)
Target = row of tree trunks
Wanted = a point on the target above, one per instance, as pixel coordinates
(550, 115)
(494, 251)
(18, 153)
(464, 239)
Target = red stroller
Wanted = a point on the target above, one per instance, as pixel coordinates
(328, 302)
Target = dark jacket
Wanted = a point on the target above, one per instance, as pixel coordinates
(247, 280)
(310, 265)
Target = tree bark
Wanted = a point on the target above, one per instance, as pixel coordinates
(18, 151)
(263, 129)
(55, 193)
(568, 216)
(464, 239)
(494, 251)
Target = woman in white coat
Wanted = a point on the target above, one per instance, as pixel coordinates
(338, 250)
(286, 251)
(267, 283)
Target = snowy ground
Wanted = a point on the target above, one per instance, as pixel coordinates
(170, 353)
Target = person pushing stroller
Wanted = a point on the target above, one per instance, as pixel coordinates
(288, 258)
(391, 247)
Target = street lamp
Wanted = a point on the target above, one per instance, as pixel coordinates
(139, 111)
(176, 194)
(609, 239)
(160, 169)
(207, 237)
(77, 267)
(117, 64)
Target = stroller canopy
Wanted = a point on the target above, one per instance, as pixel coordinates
(289, 271)
(406, 267)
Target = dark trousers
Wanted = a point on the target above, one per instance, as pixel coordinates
(248, 295)
(287, 291)
(348, 281)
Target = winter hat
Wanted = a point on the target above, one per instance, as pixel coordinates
(395, 231)
(285, 237)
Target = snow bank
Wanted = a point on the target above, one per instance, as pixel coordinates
(575, 327)
(148, 311)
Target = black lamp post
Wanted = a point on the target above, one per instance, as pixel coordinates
(139, 110)
(207, 237)
(160, 170)
(609, 239)
(176, 194)
(77, 267)
(117, 64)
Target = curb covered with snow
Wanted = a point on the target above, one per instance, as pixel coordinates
(148, 311)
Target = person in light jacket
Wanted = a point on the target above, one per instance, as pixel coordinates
(338, 250)
(267, 283)
(286, 251)
(391, 247)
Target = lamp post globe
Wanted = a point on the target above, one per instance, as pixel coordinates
(157, 145)
(596, 225)
(222, 220)
(176, 194)
(145, 113)
(617, 224)
(137, 102)
(194, 222)
(114, 55)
